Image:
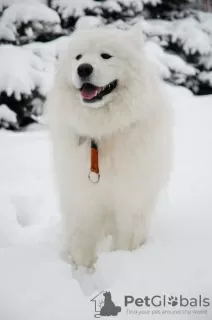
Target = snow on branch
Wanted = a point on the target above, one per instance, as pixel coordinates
(190, 35)
(23, 22)
(21, 71)
(72, 7)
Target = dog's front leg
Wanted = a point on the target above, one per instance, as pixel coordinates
(82, 232)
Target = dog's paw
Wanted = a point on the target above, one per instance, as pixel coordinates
(129, 242)
(79, 259)
(84, 260)
(66, 256)
(137, 241)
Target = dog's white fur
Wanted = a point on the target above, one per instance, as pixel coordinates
(133, 128)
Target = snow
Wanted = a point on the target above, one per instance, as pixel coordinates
(49, 50)
(206, 21)
(206, 77)
(73, 7)
(189, 33)
(112, 6)
(6, 114)
(174, 62)
(116, 5)
(152, 2)
(156, 27)
(7, 3)
(76, 8)
(206, 61)
(20, 13)
(47, 53)
(88, 22)
(37, 284)
(191, 38)
(26, 73)
(167, 62)
(7, 33)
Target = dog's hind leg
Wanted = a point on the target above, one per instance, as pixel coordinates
(131, 233)
(131, 226)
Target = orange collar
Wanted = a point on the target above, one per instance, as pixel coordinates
(94, 174)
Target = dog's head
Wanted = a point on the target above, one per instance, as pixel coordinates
(104, 73)
(99, 64)
(107, 295)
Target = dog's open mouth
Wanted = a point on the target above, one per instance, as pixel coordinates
(91, 93)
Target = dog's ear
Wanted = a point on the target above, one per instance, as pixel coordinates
(88, 22)
(136, 35)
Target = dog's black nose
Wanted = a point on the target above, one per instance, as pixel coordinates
(85, 70)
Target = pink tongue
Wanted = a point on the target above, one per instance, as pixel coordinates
(90, 94)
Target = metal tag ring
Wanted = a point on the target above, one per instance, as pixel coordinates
(94, 177)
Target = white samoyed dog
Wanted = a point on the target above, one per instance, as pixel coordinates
(107, 114)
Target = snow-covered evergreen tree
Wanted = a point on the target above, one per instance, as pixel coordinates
(189, 36)
(23, 23)
(164, 9)
(23, 73)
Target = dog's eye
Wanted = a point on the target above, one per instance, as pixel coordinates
(79, 57)
(106, 56)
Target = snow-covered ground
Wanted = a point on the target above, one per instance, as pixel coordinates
(35, 284)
